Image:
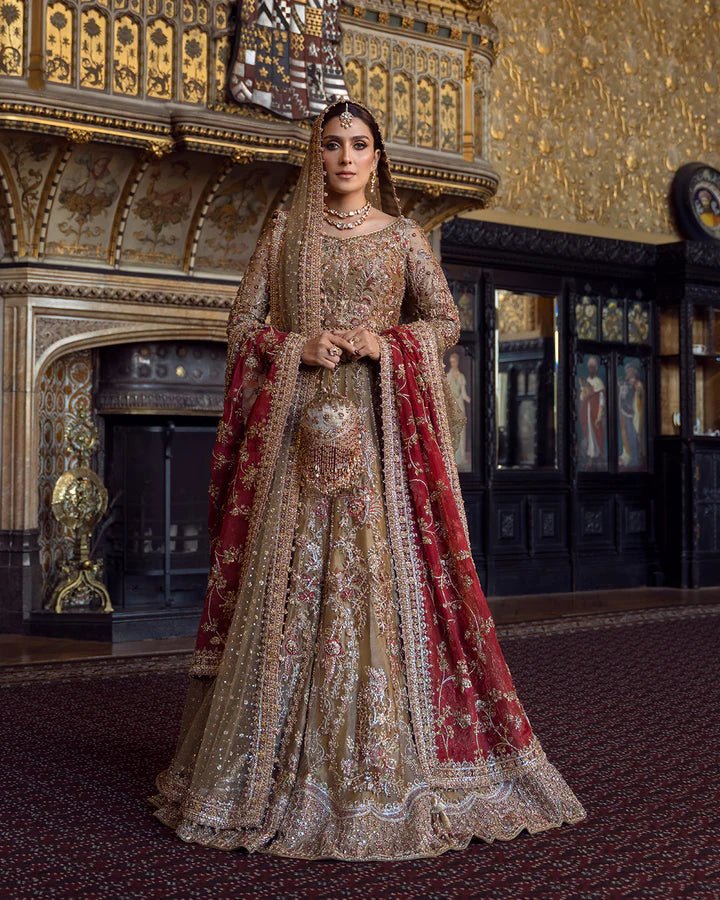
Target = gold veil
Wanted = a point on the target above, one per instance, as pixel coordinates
(296, 279)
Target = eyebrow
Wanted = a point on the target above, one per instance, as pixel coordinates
(337, 137)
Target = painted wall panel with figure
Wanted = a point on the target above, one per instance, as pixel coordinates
(592, 407)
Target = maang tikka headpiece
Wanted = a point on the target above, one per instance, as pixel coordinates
(346, 117)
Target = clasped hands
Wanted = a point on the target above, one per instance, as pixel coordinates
(327, 348)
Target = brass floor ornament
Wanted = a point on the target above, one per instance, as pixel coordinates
(79, 501)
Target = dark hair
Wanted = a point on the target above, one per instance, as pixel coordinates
(361, 113)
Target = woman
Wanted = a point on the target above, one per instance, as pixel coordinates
(349, 698)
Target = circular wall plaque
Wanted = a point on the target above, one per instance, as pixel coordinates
(695, 195)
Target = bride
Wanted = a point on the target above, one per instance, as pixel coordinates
(348, 697)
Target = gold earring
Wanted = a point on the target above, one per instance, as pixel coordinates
(372, 180)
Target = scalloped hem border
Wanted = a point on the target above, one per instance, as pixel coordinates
(429, 825)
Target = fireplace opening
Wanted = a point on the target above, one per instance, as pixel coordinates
(155, 541)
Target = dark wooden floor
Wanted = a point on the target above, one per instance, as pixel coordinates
(16, 649)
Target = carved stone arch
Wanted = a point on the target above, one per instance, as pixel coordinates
(239, 208)
(42, 216)
(58, 335)
(421, 62)
(201, 208)
(204, 201)
(134, 176)
(12, 232)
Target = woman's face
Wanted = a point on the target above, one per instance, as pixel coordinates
(348, 156)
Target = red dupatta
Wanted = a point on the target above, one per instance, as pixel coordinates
(257, 399)
(468, 719)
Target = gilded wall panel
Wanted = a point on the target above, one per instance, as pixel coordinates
(426, 114)
(12, 38)
(235, 217)
(355, 79)
(402, 122)
(59, 43)
(403, 86)
(379, 93)
(222, 61)
(93, 49)
(159, 59)
(161, 213)
(195, 66)
(450, 117)
(126, 56)
(594, 106)
(80, 221)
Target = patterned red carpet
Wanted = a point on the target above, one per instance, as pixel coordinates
(626, 706)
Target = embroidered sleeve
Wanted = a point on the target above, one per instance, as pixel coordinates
(248, 314)
(427, 295)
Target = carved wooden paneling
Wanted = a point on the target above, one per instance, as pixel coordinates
(596, 522)
(509, 525)
(548, 524)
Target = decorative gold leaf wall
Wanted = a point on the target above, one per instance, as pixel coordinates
(595, 105)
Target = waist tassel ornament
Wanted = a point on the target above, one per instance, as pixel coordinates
(330, 440)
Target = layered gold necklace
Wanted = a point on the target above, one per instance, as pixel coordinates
(336, 217)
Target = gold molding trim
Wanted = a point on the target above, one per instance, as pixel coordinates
(375, 17)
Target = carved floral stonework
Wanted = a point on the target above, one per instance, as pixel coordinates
(121, 295)
(64, 388)
(51, 329)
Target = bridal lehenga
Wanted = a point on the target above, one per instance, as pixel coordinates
(348, 697)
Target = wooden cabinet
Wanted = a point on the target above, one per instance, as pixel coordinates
(688, 404)
(615, 480)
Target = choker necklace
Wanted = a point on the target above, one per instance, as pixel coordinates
(361, 214)
(346, 215)
(342, 226)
